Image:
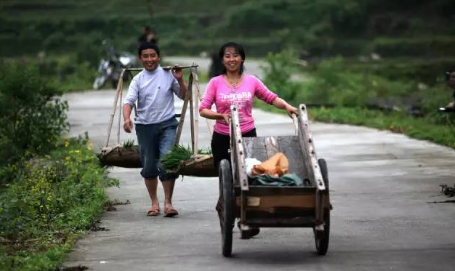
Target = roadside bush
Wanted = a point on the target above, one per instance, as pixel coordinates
(429, 71)
(332, 85)
(52, 200)
(417, 47)
(278, 71)
(397, 122)
(32, 117)
(334, 82)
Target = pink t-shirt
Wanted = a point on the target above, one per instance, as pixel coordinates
(221, 94)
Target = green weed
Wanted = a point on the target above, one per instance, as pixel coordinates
(128, 143)
(344, 95)
(178, 154)
(52, 200)
(32, 116)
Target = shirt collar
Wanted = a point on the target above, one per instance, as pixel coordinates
(154, 71)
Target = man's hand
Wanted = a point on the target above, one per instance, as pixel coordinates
(177, 72)
(128, 126)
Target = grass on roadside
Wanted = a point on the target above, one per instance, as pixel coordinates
(353, 94)
(432, 128)
(418, 128)
(52, 201)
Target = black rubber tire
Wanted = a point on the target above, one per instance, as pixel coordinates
(321, 239)
(228, 219)
(325, 172)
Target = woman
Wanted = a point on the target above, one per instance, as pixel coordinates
(234, 87)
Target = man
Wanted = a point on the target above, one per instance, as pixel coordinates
(147, 35)
(153, 89)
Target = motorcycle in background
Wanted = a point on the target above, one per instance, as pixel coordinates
(111, 66)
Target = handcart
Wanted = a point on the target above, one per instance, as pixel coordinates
(272, 206)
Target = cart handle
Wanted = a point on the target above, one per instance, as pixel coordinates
(296, 123)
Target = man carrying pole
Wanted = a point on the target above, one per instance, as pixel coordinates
(154, 89)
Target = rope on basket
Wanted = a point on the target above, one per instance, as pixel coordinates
(114, 107)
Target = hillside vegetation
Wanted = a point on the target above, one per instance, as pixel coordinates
(64, 37)
(349, 27)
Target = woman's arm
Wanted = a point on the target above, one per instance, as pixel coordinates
(282, 104)
(263, 93)
(209, 114)
(207, 102)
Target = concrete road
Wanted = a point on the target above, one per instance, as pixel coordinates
(383, 186)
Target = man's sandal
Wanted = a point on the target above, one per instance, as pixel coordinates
(153, 212)
(170, 212)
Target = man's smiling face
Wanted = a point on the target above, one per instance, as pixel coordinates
(150, 59)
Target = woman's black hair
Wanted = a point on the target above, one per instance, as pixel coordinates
(238, 49)
(148, 45)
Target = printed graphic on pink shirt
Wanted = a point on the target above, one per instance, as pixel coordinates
(221, 94)
(241, 99)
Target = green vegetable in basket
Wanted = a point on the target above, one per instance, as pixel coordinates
(173, 160)
(129, 143)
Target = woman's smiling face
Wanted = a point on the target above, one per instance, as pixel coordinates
(232, 60)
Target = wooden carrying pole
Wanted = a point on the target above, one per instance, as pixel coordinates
(199, 98)
(192, 98)
(190, 89)
(114, 107)
(198, 165)
(195, 115)
(187, 99)
(118, 100)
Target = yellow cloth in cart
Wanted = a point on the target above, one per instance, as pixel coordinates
(276, 166)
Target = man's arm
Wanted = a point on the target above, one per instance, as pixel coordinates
(127, 123)
(130, 100)
(183, 88)
(178, 74)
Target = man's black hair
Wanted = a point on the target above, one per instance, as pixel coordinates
(148, 45)
(238, 49)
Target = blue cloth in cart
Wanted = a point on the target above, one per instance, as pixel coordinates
(290, 179)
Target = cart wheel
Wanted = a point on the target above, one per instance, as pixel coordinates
(227, 199)
(321, 238)
(324, 171)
